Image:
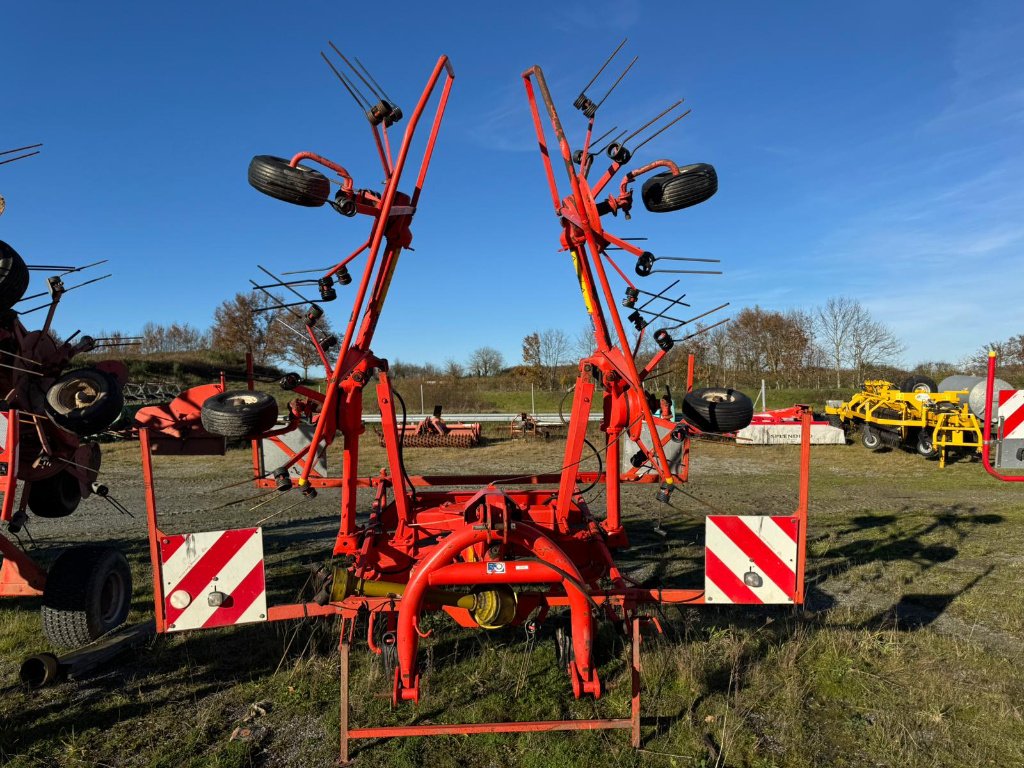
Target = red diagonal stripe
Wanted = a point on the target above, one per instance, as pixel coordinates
(242, 596)
(748, 542)
(1013, 421)
(727, 581)
(169, 545)
(787, 524)
(208, 566)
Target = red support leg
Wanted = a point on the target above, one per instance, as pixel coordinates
(635, 703)
(578, 422)
(343, 646)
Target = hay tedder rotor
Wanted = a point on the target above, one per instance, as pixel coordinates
(49, 410)
(490, 550)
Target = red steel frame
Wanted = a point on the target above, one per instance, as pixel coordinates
(987, 441)
(20, 575)
(426, 538)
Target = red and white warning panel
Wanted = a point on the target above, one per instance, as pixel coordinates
(213, 579)
(750, 559)
(1011, 413)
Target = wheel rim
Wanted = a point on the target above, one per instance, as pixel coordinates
(718, 397)
(78, 394)
(111, 598)
(241, 401)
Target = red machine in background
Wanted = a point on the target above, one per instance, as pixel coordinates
(47, 413)
(491, 550)
(434, 432)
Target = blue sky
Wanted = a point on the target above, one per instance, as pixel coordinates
(873, 150)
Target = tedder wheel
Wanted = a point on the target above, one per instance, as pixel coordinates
(717, 409)
(870, 437)
(84, 401)
(919, 384)
(242, 413)
(926, 446)
(300, 185)
(88, 593)
(694, 184)
(56, 496)
(13, 276)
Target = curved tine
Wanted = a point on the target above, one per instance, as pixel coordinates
(616, 83)
(652, 121)
(30, 146)
(702, 330)
(606, 63)
(359, 99)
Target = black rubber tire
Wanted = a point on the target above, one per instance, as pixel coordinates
(13, 277)
(88, 593)
(239, 413)
(300, 185)
(694, 184)
(718, 409)
(926, 446)
(84, 401)
(56, 496)
(870, 438)
(918, 383)
(836, 421)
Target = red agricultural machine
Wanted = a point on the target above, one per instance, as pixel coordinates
(1005, 410)
(490, 550)
(47, 414)
(434, 432)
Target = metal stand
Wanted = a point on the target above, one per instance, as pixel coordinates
(632, 723)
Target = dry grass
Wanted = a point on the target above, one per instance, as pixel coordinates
(907, 654)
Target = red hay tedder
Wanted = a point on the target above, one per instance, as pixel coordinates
(48, 413)
(490, 550)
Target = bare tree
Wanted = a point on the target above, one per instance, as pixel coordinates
(584, 343)
(871, 342)
(554, 348)
(296, 347)
(240, 326)
(185, 338)
(486, 361)
(833, 327)
(763, 341)
(453, 369)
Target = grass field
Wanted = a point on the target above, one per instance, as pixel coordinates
(907, 654)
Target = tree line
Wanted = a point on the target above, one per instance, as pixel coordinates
(836, 344)
(252, 323)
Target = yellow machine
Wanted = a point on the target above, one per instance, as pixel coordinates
(929, 422)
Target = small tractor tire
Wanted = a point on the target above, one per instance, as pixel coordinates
(926, 445)
(56, 496)
(84, 401)
(694, 184)
(239, 414)
(88, 593)
(919, 384)
(717, 409)
(300, 185)
(870, 438)
(13, 277)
